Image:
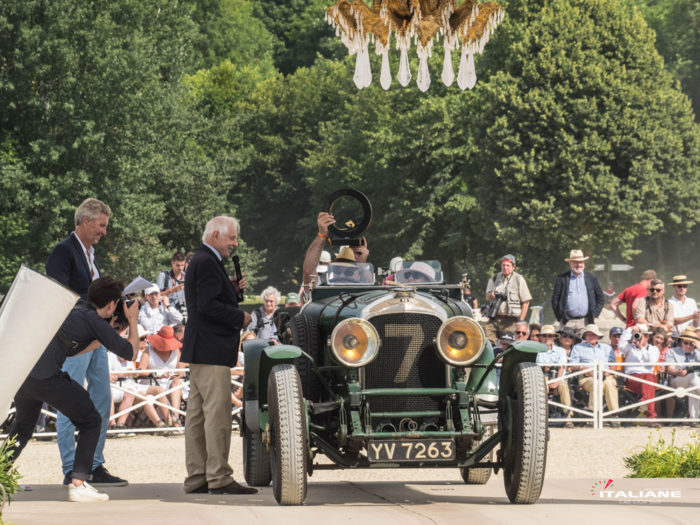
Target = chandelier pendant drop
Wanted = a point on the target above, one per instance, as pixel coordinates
(469, 25)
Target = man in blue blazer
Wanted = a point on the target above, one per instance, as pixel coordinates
(577, 298)
(214, 323)
(72, 262)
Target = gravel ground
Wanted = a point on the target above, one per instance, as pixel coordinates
(579, 453)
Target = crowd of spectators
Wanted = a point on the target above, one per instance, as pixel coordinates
(659, 336)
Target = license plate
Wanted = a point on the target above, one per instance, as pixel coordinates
(412, 450)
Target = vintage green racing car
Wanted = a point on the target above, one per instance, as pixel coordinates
(391, 376)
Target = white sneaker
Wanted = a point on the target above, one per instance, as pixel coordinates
(84, 493)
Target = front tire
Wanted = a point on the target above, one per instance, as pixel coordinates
(288, 457)
(256, 459)
(525, 452)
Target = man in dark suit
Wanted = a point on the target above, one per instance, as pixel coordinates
(72, 262)
(577, 298)
(210, 346)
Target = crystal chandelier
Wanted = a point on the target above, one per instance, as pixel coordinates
(421, 21)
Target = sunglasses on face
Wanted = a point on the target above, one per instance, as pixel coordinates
(548, 336)
(520, 333)
(346, 272)
(681, 285)
(414, 275)
(689, 343)
(656, 289)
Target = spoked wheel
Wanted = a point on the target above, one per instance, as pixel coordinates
(288, 457)
(525, 451)
(256, 459)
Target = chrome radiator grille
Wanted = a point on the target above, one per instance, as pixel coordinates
(407, 359)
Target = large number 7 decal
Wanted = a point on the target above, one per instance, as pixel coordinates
(415, 334)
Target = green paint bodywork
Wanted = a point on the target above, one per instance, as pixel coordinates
(351, 405)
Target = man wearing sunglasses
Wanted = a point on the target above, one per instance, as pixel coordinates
(685, 309)
(654, 310)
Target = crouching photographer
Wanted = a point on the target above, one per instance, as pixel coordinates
(85, 328)
(509, 299)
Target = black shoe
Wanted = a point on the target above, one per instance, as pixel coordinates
(68, 478)
(102, 478)
(202, 489)
(233, 488)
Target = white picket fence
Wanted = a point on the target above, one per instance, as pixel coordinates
(598, 416)
(158, 400)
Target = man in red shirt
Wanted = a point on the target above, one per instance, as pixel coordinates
(630, 296)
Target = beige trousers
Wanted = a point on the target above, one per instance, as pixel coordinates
(494, 329)
(564, 395)
(208, 427)
(609, 390)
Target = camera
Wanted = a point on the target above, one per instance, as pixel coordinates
(636, 336)
(553, 372)
(495, 305)
(119, 315)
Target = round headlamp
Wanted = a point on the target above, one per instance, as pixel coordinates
(355, 342)
(460, 340)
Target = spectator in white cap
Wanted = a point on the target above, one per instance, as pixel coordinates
(394, 267)
(417, 272)
(157, 311)
(512, 288)
(589, 352)
(685, 309)
(577, 298)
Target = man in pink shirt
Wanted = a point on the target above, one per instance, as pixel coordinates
(630, 296)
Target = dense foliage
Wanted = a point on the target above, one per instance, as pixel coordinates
(577, 134)
(666, 460)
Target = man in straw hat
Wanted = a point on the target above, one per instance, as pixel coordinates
(584, 355)
(685, 309)
(684, 374)
(630, 296)
(577, 298)
(554, 361)
(315, 250)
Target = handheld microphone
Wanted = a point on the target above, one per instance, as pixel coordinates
(239, 276)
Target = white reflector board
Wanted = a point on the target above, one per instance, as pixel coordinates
(33, 311)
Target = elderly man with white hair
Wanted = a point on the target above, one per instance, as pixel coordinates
(214, 324)
(261, 321)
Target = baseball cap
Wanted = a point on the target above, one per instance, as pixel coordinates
(508, 257)
(615, 330)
